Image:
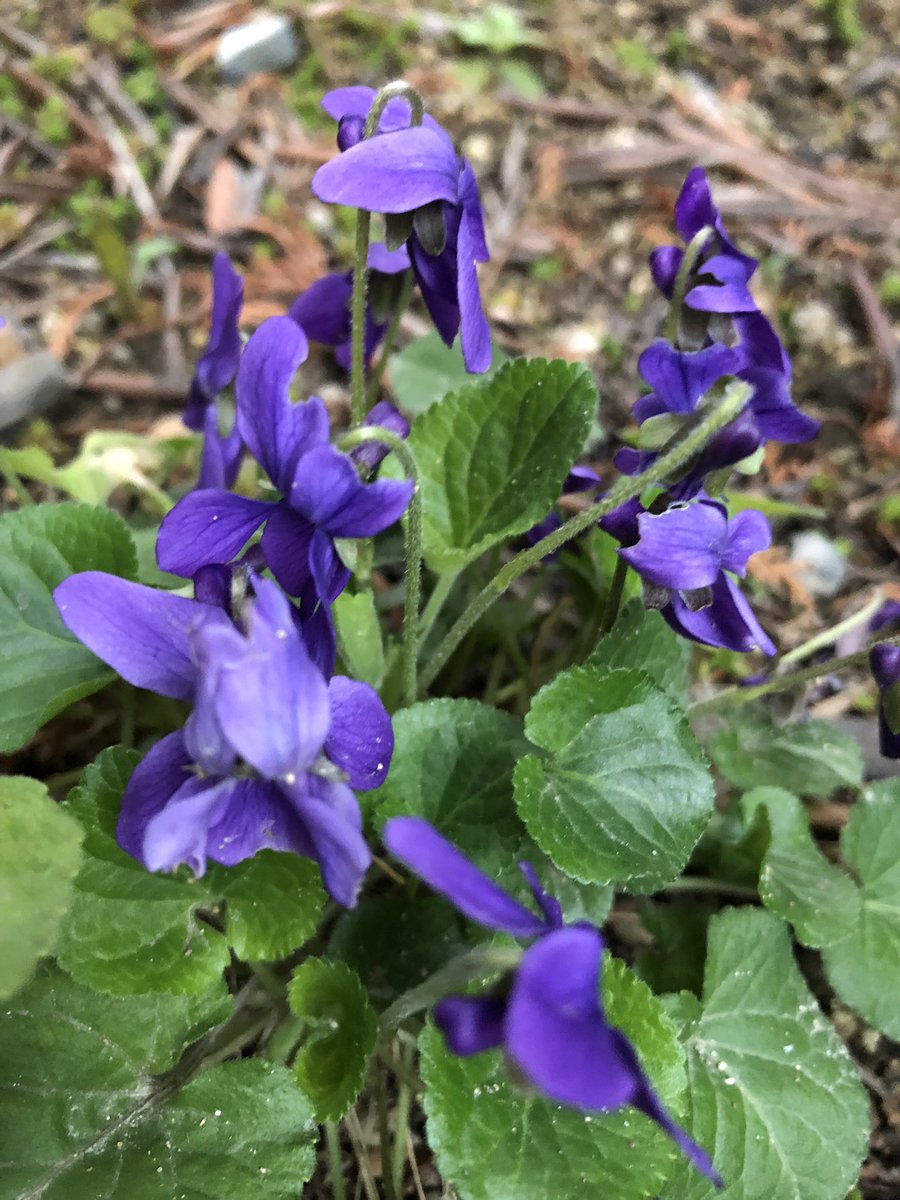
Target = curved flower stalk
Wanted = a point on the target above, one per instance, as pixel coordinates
(271, 750)
(547, 1018)
(413, 175)
(215, 371)
(322, 495)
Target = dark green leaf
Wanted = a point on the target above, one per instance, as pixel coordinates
(641, 639)
(43, 667)
(273, 903)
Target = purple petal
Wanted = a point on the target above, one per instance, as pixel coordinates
(331, 816)
(885, 663)
(204, 737)
(760, 345)
(729, 293)
(385, 415)
(728, 622)
(328, 491)
(470, 1024)
(348, 101)
(329, 574)
(255, 815)
(207, 526)
(748, 533)
(276, 431)
(548, 904)
(450, 873)
(475, 334)
(360, 737)
(622, 522)
(212, 585)
(220, 459)
(773, 409)
(323, 310)
(888, 741)
(178, 832)
(271, 702)
(680, 378)
(649, 1103)
(394, 172)
(286, 543)
(388, 262)
(681, 548)
(141, 632)
(219, 363)
(664, 264)
(580, 479)
(163, 770)
(694, 207)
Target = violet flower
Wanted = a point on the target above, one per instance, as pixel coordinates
(271, 750)
(323, 310)
(548, 1020)
(579, 479)
(413, 172)
(686, 557)
(221, 457)
(322, 495)
(885, 662)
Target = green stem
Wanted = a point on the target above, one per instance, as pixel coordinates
(828, 637)
(335, 1161)
(358, 317)
(734, 696)
(690, 443)
(404, 1103)
(14, 482)
(614, 597)
(436, 602)
(412, 548)
(692, 252)
(387, 345)
(701, 883)
(384, 1130)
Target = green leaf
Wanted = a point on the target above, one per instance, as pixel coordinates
(85, 1116)
(40, 850)
(493, 1142)
(426, 370)
(642, 640)
(359, 636)
(499, 30)
(130, 931)
(273, 903)
(855, 925)
(339, 1034)
(773, 1091)
(43, 667)
(624, 792)
(492, 456)
(812, 759)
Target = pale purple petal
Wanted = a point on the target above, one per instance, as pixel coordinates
(207, 526)
(681, 548)
(470, 1024)
(394, 172)
(178, 832)
(141, 632)
(388, 262)
(331, 816)
(729, 293)
(163, 770)
(449, 872)
(748, 533)
(360, 737)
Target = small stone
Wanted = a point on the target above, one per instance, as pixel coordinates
(820, 566)
(29, 386)
(267, 43)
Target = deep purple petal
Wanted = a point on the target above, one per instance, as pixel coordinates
(328, 491)
(760, 345)
(141, 632)
(622, 522)
(548, 904)
(385, 415)
(360, 737)
(748, 533)
(449, 872)
(207, 526)
(163, 770)
(885, 662)
(664, 264)
(331, 816)
(470, 1024)
(220, 459)
(475, 334)
(255, 815)
(436, 275)
(680, 378)
(323, 310)
(212, 585)
(728, 622)
(285, 543)
(276, 431)
(773, 409)
(681, 548)
(219, 363)
(394, 172)
(649, 1103)
(888, 741)
(329, 574)
(580, 479)
(694, 207)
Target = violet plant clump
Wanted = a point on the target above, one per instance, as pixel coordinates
(336, 689)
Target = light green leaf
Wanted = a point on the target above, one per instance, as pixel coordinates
(273, 903)
(813, 759)
(500, 29)
(39, 547)
(493, 1142)
(624, 793)
(426, 370)
(130, 931)
(359, 636)
(85, 1115)
(339, 1034)
(641, 639)
(40, 850)
(772, 1090)
(492, 456)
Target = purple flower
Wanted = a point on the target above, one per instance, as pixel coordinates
(259, 703)
(323, 310)
(414, 172)
(885, 661)
(548, 1018)
(218, 365)
(579, 479)
(386, 416)
(685, 557)
(322, 495)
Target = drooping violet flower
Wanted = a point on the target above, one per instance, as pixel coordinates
(221, 457)
(323, 310)
(322, 495)
(579, 479)
(548, 1018)
(885, 662)
(270, 752)
(686, 557)
(414, 172)
(383, 414)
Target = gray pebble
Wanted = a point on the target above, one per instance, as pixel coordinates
(267, 43)
(29, 386)
(820, 566)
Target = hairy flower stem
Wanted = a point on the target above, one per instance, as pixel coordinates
(335, 1161)
(412, 548)
(734, 696)
(685, 448)
(691, 254)
(828, 637)
(387, 346)
(613, 597)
